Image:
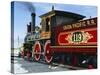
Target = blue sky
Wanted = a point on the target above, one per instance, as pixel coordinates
(22, 15)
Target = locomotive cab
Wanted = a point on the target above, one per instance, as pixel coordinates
(55, 18)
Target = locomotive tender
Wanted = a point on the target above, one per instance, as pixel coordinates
(64, 37)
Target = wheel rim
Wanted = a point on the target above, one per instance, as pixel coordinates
(37, 51)
(48, 53)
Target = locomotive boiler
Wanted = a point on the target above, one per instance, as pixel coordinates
(64, 37)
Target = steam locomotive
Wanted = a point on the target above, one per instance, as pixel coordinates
(64, 37)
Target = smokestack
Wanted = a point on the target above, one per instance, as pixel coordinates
(29, 28)
(33, 22)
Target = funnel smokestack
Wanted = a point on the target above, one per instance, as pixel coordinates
(29, 28)
(33, 22)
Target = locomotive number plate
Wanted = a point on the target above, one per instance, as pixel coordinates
(77, 37)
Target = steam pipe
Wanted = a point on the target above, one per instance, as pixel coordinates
(33, 22)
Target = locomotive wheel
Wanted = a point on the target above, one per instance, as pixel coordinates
(37, 51)
(47, 51)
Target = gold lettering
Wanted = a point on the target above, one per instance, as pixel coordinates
(76, 25)
(83, 23)
(80, 24)
(93, 22)
(67, 27)
(88, 22)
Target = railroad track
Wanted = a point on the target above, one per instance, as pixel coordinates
(58, 65)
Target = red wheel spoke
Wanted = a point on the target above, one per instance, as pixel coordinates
(48, 52)
(37, 51)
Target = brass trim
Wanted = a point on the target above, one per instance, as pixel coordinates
(73, 46)
(72, 32)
